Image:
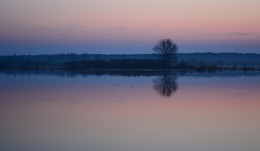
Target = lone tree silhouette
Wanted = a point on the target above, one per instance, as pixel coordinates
(168, 50)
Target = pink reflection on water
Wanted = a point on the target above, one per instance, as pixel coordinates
(128, 114)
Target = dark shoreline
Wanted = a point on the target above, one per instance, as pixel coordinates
(134, 73)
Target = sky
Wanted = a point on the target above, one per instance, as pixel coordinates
(128, 26)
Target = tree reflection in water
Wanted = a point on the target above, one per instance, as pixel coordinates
(166, 84)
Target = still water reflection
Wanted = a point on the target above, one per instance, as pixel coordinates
(166, 84)
(140, 112)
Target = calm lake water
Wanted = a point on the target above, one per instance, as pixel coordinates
(167, 112)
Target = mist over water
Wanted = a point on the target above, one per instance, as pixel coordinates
(115, 112)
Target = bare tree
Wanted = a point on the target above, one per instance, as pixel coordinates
(168, 50)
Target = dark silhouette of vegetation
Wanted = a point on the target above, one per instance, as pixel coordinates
(167, 49)
(114, 64)
(199, 62)
(166, 84)
(129, 73)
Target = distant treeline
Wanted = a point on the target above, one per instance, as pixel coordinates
(145, 64)
(129, 64)
(114, 64)
(194, 61)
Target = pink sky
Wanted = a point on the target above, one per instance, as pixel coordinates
(128, 26)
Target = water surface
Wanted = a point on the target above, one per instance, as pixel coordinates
(165, 112)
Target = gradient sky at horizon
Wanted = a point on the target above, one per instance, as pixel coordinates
(128, 26)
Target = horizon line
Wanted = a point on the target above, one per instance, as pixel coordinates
(70, 53)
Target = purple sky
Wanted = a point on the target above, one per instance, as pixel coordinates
(128, 26)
